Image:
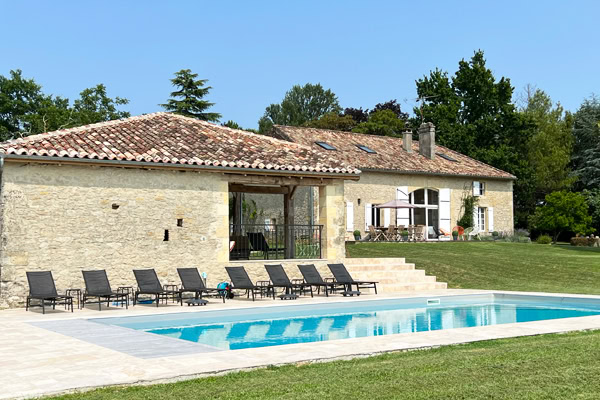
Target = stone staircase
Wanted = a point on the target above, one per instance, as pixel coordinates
(393, 274)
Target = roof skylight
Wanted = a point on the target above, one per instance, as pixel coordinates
(447, 157)
(326, 146)
(367, 149)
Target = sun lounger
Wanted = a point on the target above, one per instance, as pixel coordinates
(192, 282)
(313, 278)
(279, 279)
(97, 286)
(43, 289)
(148, 283)
(343, 277)
(240, 280)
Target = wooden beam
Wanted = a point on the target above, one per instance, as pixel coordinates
(288, 216)
(278, 180)
(235, 187)
(292, 191)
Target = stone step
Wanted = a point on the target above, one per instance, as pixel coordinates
(378, 267)
(392, 276)
(413, 286)
(376, 261)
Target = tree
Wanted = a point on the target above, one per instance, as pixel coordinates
(334, 122)
(592, 198)
(586, 146)
(26, 110)
(188, 99)
(234, 125)
(300, 105)
(393, 106)
(550, 147)
(474, 114)
(382, 123)
(563, 212)
(357, 114)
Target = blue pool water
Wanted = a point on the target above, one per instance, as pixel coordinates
(273, 326)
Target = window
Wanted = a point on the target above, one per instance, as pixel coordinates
(326, 146)
(481, 218)
(375, 216)
(367, 149)
(478, 188)
(446, 157)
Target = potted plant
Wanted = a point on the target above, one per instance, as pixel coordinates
(404, 236)
(495, 235)
(357, 235)
(455, 235)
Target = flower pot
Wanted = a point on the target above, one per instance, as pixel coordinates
(356, 237)
(455, 237)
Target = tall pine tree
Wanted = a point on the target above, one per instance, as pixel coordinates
(188, 99)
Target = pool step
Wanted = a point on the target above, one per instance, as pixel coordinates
(393, 275)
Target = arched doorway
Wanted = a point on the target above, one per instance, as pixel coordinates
(426, 211)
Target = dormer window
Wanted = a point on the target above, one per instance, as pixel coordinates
(367, 149)
(326, 146)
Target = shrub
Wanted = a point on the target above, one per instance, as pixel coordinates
(495, 234)
(544, 239)
(356, 233)
(581, 241)
(563, 211)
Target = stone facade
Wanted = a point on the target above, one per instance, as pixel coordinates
(68, 218)
(379, 187)
(270, 206)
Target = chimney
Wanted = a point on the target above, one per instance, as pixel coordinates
(427, 140)
(407, 140)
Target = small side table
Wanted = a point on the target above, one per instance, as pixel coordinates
(265, 287)
(174, 289)
(77, 296)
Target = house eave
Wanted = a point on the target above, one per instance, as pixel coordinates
(179, 167)
(444, 174)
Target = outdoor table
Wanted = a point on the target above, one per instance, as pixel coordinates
(78, 296)
(174, 288)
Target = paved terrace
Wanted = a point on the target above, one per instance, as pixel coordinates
(62, 351)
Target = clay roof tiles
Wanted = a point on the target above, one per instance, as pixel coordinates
(389, 153)
(167, 138)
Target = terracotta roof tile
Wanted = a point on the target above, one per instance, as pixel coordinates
(173, 139)
(390, 154)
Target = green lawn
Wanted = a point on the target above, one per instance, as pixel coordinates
(541, 367)
(498, 265)
(544, 367)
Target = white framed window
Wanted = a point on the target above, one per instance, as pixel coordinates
(375, 216)
(478, 188)
(481, 218)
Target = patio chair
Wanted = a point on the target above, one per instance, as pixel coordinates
(148, 283)
(240, 280)
(259, 243)
(473, 233)
(97, 286)
(192, 282)
(43, 289)
(375, 235)
(279, 279)
(313, 278)
(342, 276)
(460, 230)
(392, 233)
(420, 233)
(241, 248)
(444, 233)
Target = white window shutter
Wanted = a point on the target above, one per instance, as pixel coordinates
(475, 217)
(402, 214)
(490, 219)
(476, 189)
(349, 216)
(386, 217)
(444, 210)
(368, 211)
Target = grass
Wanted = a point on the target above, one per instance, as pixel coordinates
(498, 265)
(543, 367)
(538, 367)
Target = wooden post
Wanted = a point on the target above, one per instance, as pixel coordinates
(288, 220)
(237, 218)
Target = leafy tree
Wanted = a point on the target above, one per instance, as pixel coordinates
(300, 105)
(382, 123)
(188, 99)
(358, 114)
(334, 122)
(474, 114)
(234, 125)
(393, 106)
(550, 147)
(592, 198)
(563, 212)
(586, 147)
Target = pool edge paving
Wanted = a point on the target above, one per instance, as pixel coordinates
(30, 351)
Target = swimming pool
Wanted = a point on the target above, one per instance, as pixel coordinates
(272, 326)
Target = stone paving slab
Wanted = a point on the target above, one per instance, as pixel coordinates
(29, 351)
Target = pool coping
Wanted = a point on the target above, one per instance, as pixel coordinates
(72, 360)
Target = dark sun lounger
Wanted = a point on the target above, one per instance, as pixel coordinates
(148, 283)
(97, 286)
(342, 276)
(279, 279)
(43, 289)
(313, 278)
(240, 280)
(192, 282)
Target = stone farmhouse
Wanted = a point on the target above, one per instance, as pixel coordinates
(156, 191)
(431, 177)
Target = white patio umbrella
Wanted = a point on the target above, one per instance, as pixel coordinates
(395, 204)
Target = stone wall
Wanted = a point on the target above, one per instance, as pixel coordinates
(271, 206)
(378, 187)
(71, 218)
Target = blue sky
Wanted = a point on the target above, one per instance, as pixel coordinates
(253, 52)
